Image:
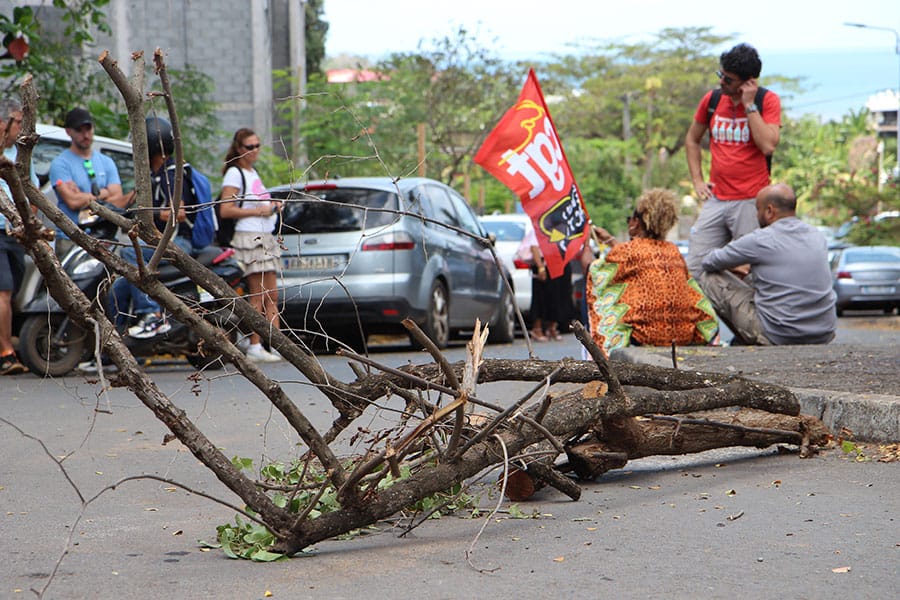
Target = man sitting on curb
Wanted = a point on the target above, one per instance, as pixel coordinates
(787, 296)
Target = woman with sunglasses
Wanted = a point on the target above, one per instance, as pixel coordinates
(641, 293)
(244, 198)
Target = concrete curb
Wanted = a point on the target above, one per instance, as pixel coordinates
(870, 417)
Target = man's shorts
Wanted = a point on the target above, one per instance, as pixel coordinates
(12, 263)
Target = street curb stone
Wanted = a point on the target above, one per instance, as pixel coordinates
(868, 417)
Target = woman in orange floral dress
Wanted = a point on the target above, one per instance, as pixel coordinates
(641, 293)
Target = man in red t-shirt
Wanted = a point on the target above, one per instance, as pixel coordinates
(742, 135)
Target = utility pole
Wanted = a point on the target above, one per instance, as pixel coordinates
(626, 127)
(297, 35)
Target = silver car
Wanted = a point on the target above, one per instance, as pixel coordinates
(362, 254)
(866, 277)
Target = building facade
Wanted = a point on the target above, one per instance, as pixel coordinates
(238, 43)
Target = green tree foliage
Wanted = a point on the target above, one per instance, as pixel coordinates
(833, 168)
(315, 31)
(192, 92)
(455, 87)
(658, 82)
(459, 90)
(335, 126)
(65, 80)
(876, 233)
(606, 185)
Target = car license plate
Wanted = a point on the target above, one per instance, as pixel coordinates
(878, 289)
(314, 262)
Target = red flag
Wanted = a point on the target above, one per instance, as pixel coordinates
(524, 152)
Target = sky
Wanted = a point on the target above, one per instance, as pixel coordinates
(789, 34)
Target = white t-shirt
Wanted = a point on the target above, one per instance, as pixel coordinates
(254, 194)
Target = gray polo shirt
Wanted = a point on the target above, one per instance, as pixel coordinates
(791, 278)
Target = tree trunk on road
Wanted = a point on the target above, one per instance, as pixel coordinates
(595, 424)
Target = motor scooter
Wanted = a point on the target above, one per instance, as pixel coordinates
(51, 343)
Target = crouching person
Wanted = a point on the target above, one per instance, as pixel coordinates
(641, 293)
(773, 286)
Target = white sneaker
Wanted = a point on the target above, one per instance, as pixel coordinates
(150, 325)
(90, 366)
(258, 354)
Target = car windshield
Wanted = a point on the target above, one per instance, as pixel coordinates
(329, 209)
(856, 256)
(505, 231)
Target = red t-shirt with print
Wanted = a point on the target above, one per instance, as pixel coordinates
(738, 167)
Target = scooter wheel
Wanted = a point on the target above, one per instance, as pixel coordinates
(46, 350)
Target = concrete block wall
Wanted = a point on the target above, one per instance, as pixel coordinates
(229, 40)
(226, 39)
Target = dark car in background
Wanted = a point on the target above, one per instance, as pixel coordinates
(866, 277)
(360, 255)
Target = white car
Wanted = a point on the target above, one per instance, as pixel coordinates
(508, 230)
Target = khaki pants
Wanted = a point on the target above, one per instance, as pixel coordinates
(734, 302)
(719, 222)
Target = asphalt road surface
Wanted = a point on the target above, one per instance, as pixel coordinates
(863, 359)
(726, 523)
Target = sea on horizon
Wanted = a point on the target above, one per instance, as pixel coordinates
(834, 81)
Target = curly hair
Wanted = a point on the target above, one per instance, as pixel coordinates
(658, 210)
(236, 149)
(742, 60)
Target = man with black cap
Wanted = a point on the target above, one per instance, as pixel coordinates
(80, 174)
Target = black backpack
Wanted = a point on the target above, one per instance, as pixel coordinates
(758, 100)
(225, 230)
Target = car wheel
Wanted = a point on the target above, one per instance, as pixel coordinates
(320, 342)
(437, 321)
(46, 349)
(353, 338)
(503, 329)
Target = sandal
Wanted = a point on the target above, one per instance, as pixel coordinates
(538, 336)
(553, 334)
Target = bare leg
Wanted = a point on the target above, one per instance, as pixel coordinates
(270, 298)
(5, 322)
(255, 283)
(537, 331)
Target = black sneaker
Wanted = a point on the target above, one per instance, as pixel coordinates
(150, 325)
(11, 365)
